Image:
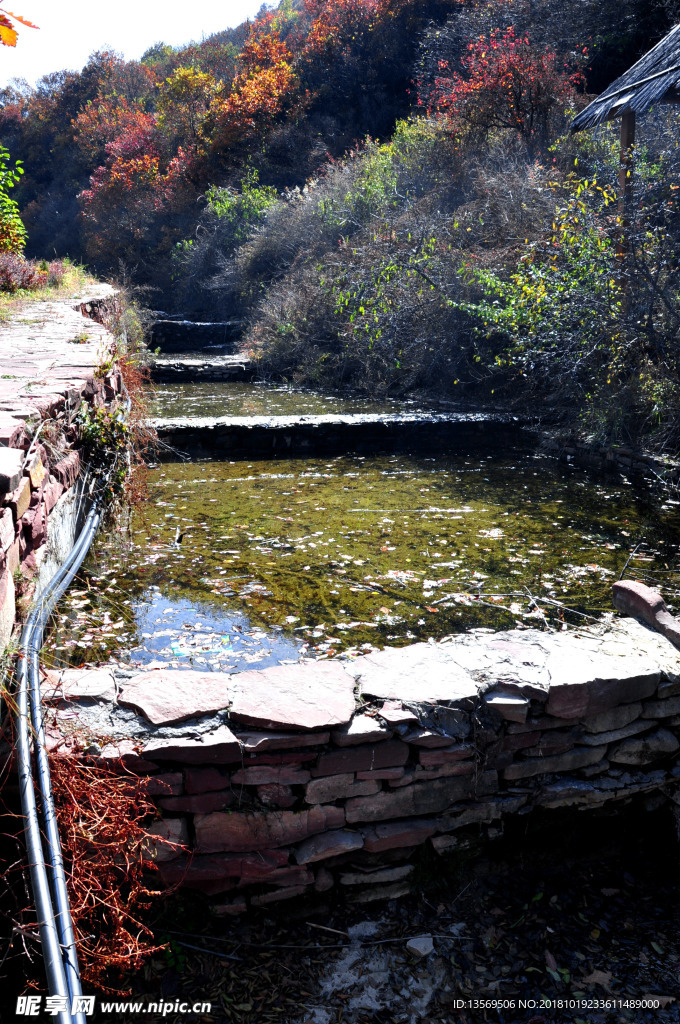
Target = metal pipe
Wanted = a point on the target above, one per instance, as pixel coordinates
(49, 886)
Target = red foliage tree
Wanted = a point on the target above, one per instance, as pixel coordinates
(506, 84)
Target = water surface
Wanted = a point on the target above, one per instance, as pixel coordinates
(231, 565)
(233, 398)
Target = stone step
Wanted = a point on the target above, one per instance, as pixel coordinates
(267, 436)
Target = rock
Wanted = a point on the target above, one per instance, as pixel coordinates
(200, 803)
(205, 780)
(394, 712)
(579, 757)
(421, 946)
(328, 844)
(7, 531)
(571, 793)
(646, 749)
(367, 757)
(7, 607)
(662, 708)
(232, 908)
(443, 844)
(539, 724)
(36, 471)
(169, 784)
(455, 752)
(511, 708)
(669, 688)
(53, 492)
(264, 774)
(255, 742)
(324, 880)
(220, 746)
(616, 718)
(312, 695)
(277, 896)
(125, 754)
(68, 470)
(274, 795)
(362, 729)
(338, 787)
(419, 674)
(395, 835)
(167, 839)
(11, 468)
(11, 431)
(289, 759)
(197, 871)
(240, 832)
(616, 734)
(381, 773)
(166, 696)
(486, 810)
(381, 892)
(376, 877)
(20, 498)
(78, 684)
(420, 774)
(583, 683)
(550, 743)
(419, 737)
(420, 798)
(634, 598)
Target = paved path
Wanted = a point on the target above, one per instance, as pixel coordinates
(48, 352)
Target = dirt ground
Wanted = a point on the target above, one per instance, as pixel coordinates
(567, 920)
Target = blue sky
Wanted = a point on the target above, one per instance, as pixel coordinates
(70, 31)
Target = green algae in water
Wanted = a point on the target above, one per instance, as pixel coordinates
(235, 565)
(232, 398)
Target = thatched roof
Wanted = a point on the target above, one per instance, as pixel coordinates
(654, 79)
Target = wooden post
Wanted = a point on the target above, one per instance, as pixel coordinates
(625, 182)
(627, 141)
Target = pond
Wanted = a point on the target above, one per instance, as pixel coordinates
(231, 565)
(215, 398)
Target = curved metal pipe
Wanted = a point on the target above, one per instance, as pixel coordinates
(45, 860)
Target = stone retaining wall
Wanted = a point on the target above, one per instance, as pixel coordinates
(274, 783)
(615, 459)
(49, 355)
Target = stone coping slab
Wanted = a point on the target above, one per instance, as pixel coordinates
(573, 675)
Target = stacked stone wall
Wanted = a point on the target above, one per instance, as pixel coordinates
(276, 783)
(48, 367)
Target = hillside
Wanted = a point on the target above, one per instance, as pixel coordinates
(386, 193)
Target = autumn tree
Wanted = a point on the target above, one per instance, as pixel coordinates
(265, 89)
(183, 103)
(505, 84)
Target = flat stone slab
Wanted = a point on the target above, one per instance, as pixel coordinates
(78, 684)
(421, 673)
(306, 696)
(219, 746)
(237, 833)
(166, 696)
